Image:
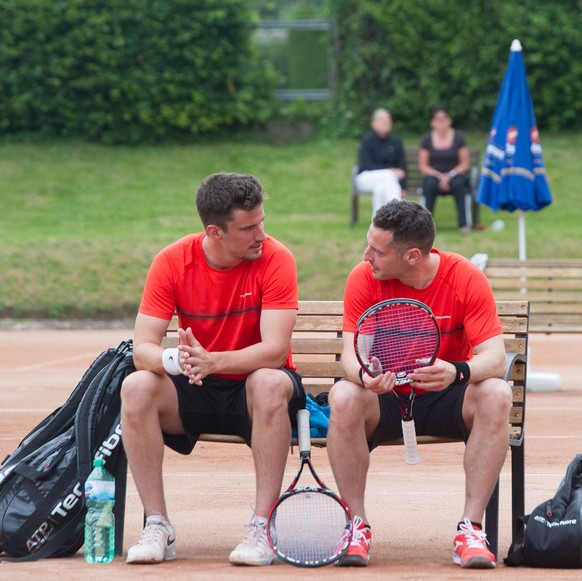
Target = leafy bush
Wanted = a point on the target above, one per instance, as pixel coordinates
(129, 72)
(412, 55)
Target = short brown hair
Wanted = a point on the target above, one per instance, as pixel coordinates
(222, 193)
(411, 224)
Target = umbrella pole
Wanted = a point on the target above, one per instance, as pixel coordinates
(521, 226)
(522, 249)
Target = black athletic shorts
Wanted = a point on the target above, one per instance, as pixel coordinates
(219, 406)
(436, 413)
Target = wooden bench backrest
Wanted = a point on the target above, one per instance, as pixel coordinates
(553, 288)
(317, 346)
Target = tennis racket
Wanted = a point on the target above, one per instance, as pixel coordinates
(398, 335)
(309, 526)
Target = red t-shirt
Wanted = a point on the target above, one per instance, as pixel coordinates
(460, 298)
(223, 307)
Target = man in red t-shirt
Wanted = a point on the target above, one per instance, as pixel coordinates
(235, 292)
(461, 395)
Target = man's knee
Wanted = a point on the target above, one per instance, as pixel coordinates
(138, 390)
(268, 389)
(493, 399)
(346, 397)
(500, 390)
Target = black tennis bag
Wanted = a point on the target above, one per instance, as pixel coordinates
(551, 536)
(42, 497)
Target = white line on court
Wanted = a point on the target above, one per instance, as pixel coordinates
(54, 362)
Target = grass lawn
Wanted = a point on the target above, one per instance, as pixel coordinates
(80, 223)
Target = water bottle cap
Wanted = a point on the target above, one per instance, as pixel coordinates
(98, 462)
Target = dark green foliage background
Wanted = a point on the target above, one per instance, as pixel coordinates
(153, 71)
(410, 56)
(128, 71)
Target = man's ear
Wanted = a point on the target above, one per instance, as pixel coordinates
(213, 231)
(412, 256)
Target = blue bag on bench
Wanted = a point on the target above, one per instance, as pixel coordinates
(318, 416)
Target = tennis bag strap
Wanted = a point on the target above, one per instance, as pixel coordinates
(515, 556)
(99, 410)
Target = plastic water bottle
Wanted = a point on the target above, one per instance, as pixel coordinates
(99, 521)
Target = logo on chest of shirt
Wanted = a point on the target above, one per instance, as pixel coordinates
(245, 295)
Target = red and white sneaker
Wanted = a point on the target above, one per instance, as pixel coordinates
(470, 548)
(358, 553)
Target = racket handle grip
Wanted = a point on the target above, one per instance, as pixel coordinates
(410, 446)
(303, 433)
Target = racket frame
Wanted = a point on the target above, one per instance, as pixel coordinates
(401, 378)
(304, 441)
(408, 427)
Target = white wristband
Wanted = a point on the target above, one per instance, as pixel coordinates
(171, 361)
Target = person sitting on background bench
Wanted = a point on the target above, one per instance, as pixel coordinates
(381, 161)
(444, 160)
(236, 294)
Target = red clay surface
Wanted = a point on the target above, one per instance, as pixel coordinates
(413, 510)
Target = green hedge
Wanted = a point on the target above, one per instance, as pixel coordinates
(410, 55)
(139, 71)
(129, 72)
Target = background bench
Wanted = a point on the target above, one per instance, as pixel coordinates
(553, 288)
(317, 346)
(414, 184)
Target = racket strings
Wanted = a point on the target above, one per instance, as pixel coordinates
(400, 337)
(310, 527)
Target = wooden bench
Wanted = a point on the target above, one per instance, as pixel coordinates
(414, 184)
(317, 346)
(553, 288)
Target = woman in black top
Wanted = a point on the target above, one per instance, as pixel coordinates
(444, 161)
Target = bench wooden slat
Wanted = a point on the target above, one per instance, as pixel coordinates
(553, 275)
(514, 345)
(553, 288)
(321, 323)
(316, 346)
(535, 262)
(556, 325)
(541, 299)
(322, 307)
(572, 310)
(531, 283)
(319, 368)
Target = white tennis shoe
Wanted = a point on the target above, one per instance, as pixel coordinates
(254, 549)
(157, 542)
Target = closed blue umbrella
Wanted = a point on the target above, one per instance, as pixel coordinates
(513, 176)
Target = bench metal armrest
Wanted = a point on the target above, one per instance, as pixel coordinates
(510, 360)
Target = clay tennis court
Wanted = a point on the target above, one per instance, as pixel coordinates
(413, 510)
